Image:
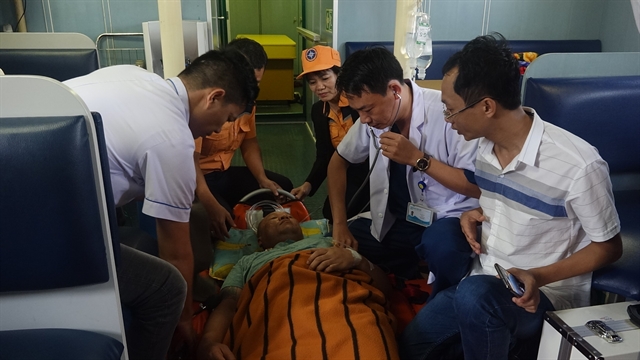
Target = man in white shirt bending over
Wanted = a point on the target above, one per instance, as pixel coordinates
(149, 126)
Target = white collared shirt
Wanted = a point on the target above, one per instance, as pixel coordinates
(150, 146)
(430, 133)
(552, 200)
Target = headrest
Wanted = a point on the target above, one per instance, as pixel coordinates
(603, 111)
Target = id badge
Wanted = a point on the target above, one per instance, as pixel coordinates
(418, 214)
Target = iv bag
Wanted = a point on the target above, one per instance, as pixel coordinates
(424, 36)
(417, 40)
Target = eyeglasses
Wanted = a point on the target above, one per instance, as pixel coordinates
(448, 114)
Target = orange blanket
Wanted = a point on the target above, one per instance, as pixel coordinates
(287, 311)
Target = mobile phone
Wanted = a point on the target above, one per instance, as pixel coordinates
(511, 282)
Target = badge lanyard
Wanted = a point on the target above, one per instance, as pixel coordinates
(420, 213)
(422, 184)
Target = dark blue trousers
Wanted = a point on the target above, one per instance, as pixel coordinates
(442, 246)
(445, 248)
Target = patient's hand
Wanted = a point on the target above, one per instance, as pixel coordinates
(215, 351)
(331, 259)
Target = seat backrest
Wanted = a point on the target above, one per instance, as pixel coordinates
(604, 111)
(60, 56)
(57, 262)
(582, 65)
(352, 46)
(444, 49)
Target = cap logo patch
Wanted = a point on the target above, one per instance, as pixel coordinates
(311, 54)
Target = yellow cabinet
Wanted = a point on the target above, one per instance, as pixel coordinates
(277, 81)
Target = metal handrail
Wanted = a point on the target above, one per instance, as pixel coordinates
(309, 35)
(115, 34)
(111, 53)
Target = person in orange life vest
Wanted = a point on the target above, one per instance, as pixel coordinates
(220, 186)
(332, 118)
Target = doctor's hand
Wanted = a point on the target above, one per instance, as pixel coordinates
(342, 237)
(302, 191)
(219, 218)
(469, 221)
(531, 298)
(399, 149)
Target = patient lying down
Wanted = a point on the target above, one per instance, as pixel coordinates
(300, 298)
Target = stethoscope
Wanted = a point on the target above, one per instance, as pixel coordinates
(375, 159)
(376, 138)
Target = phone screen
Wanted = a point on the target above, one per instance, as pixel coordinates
(511, 282)
(515, 285)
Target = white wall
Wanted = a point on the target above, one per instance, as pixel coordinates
(608, 20)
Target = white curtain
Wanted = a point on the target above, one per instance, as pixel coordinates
(635, 4)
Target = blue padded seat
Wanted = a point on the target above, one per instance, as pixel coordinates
(28, 261)
(57, 55)
(108, 190)
(58, 291)
(352, 46)
(623, 276)
(605, 112)
(58, 344)
(443, 49)
(59, 64)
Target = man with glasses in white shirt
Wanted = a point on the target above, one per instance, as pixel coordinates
(546, 210)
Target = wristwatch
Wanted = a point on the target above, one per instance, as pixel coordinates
(423, 163)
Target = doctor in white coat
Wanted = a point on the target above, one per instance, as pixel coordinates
(417, 182)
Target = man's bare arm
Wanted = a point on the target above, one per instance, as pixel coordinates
(452, 178)
(380, 279)
(590, 258)
(337, 188)
(218, 215)
(174, 246)
(399, 149)
(218, 324)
